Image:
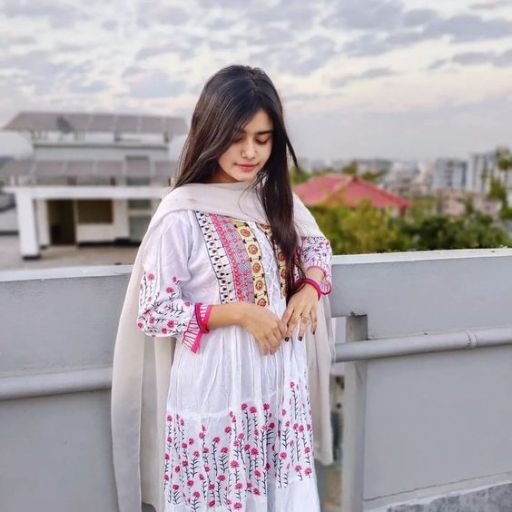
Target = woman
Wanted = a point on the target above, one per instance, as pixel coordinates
(233, 268)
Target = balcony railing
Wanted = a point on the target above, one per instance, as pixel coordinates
(423, 381)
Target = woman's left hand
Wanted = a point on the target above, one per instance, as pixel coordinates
(302, 306)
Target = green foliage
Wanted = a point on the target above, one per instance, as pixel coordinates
(368, 229)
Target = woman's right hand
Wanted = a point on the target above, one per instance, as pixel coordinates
(268, 329)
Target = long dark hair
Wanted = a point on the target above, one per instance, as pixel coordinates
(229, 99)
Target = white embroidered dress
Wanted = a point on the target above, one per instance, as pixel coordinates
(239, 434)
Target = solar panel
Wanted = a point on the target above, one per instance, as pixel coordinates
(96, 122)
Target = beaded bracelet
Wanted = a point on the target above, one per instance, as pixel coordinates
(313, 283)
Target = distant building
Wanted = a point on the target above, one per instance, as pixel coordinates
(451, 202)
(92, 177)
(450, 173)
(324, 189)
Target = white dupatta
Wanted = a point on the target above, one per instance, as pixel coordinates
(142, 364)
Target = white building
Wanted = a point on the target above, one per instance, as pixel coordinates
(450, 173)
(92, 177)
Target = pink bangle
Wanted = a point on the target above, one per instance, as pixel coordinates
(313, 283)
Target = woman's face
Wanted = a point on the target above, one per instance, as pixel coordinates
(248, 152)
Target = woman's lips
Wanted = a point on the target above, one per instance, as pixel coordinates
(247, 167)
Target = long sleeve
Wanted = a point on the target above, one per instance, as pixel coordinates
(163, 308)
(316, 251)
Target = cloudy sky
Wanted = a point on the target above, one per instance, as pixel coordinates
(401, 79)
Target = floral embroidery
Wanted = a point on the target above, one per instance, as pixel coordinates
(255, 257)
(316, 251)
(280, 257)
(259, 444)
(163, 311)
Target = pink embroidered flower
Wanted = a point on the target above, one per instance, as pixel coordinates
(308, 426)
(257, 473)
(307, 449)
(169, 289)
(253, 410)
(224, 449)
(201, 477)
(292, 384)
(221, 478)
(166, 477)
(241, 435)
(271, 424)
(295, 426)
(287, 424)
(256, 491)
(184, 463)
(249, 485)
(151, 319)
(196, 454)
(139, 324)
(236, 443)
(267, 466)
(177, 469)
(256, 432)
(298, 467)
(216, 440)
(164, 330)
(201, 435)
(203, 428)
(246, 447)
(239, 485)
(233, 419)
(238, 505)
(283, 411)
(169, 439)
(233, 464)
(151, 277)
(301, 428)
(254, 451)
(187, 303)
(182, 422)
(308, 471)
(206, 449)
(166, 456)
(175, 486)
(266, 406)
(244, 406)
(207, 468)
(170, 323)
(184, 445)
(196, 494)
(211, 503)
(283, 455)
(190, 483)
(227, 430)
(190, 440)
(174, 279)
(211, 487)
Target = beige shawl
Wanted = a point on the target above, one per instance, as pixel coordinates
(142, 364)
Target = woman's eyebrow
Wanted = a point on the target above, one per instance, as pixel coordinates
(262, 132)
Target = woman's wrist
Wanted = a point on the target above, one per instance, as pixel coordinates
(231, 313)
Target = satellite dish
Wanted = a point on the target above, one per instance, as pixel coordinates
(64, 125)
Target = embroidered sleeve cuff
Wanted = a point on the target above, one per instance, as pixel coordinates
(196, 327)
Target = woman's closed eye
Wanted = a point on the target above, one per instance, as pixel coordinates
(261, 142)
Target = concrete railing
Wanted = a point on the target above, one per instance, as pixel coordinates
(425, 420)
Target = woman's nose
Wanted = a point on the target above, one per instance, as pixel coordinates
(249, 149)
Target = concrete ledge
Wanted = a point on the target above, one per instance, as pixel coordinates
(497, 498)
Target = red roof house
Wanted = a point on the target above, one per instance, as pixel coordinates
(326, 188)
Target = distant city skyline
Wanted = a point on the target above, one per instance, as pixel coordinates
(358, 78)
